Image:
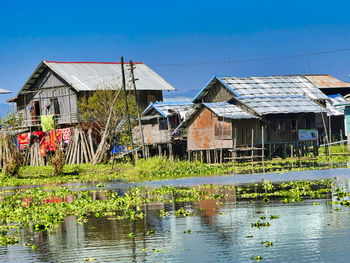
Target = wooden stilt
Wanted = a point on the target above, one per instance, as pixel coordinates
(159, 150)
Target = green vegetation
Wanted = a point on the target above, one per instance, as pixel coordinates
(43, 209)
(156, 168)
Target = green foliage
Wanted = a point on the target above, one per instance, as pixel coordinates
(94, 109)
(43, 209)
(8, 121)
(156, 168)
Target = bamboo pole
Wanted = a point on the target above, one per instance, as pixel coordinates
(106, 131)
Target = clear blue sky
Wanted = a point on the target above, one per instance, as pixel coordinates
(171, 32)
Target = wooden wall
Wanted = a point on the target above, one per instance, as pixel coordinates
(279, 126)
(218, 93)
(243, 130)
(145, 97)
(153, 135)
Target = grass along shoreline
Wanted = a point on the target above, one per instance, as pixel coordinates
(159, 168)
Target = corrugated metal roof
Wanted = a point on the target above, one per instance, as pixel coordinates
(89, 76)
(265, 86)
(327, 81)
(281, 104)
(229, 111)
(274, 86)
(335, 100)
(4, 91)
(168, 108)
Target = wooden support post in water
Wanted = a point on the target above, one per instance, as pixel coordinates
(252, 157)
(341, 139)
(330, 136)
(325, 129)
(170, 146)
(159, 150)
(262, 147)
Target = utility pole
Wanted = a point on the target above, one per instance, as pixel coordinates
(127, 110)
(138, 108)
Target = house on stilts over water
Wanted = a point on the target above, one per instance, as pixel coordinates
(159, 123)
(54, 88)
(255, 117)
(49, 99)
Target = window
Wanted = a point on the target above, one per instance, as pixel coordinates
(280, 125)
(163, 124)
(222, 130)
(37, 108)
(56, 106)
(308, 123)
(293, 125)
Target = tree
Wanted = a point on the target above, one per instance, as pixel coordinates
(94, 110)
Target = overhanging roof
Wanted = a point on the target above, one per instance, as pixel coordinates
(4, 91)
(168, 108)
(264, 105)
(91, 76)
(264, 86)
(327, 81)
(230, 111)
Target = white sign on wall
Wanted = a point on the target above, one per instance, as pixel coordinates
(307, 135)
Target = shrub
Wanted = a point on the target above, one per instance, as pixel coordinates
(11, 168)
(58, 161)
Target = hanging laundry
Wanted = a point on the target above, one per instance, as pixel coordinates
(47, 122)
(39, 136)
(43, 148)
(53, 139)
(66, 134)
(23, 140)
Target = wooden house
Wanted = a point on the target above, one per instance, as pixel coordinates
(213, 129)
(159, 123)
(284, 105)
(336, 90)
(54, 88)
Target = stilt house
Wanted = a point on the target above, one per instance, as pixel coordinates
(284, 106)
(54, 88)
(159, 123)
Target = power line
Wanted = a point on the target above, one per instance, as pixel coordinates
(253, 59)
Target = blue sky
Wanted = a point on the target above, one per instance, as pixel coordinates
(176, 32)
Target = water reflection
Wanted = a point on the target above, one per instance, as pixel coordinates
(303, 233)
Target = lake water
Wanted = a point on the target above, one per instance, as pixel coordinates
(218, 232)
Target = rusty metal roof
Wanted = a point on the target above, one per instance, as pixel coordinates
(327, 81)
(226, 110)
(264, 105)
(264, 86)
